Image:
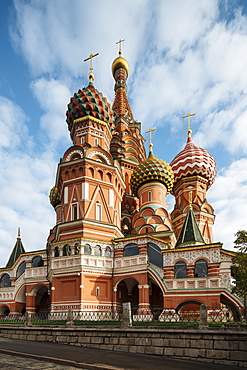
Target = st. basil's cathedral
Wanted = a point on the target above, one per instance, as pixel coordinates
(114, 240)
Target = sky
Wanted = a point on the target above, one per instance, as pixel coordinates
(185, 56)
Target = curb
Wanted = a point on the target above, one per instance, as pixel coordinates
(62, 361)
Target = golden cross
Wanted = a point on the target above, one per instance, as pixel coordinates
(150, 130)
(90, 75)
(189, 115)
(120, 46)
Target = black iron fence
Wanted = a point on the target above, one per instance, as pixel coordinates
(190, 316)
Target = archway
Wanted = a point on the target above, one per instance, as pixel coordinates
(189, 310)
(127, 291)
(20, 300)
(4, 311)
(42, 302)
(155, 296)
(233, 311)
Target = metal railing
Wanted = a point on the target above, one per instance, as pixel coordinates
(216, 316)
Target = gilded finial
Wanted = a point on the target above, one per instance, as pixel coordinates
(190, 199)
(91, 75)
(189, 131)
(120, 46)
(150, 144)
(19, 233)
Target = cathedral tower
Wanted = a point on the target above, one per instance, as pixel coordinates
(194, 172)
(127, 144)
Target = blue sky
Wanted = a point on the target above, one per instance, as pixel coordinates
(184, 56)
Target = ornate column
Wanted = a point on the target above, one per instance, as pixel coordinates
(31, 302)
(144, 305)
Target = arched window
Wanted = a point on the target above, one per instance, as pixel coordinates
(77, 248)
(131, 250)
(154, 255)
(5, 281)
(56, 252)
(180, 270)
(37, 261)
(87, 249)
(201, 268)
(21, 269)
(74, 213)
(98, 251)
(66, 250)
(108, 252)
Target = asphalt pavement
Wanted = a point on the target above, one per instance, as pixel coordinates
(20, 354)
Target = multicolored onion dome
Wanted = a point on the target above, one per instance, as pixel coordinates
(192, 161)
(152, 169)
(89, 102)
(54, 197)
(120, 62)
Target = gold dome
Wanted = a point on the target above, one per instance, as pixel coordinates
(120, 62)
(152, 169)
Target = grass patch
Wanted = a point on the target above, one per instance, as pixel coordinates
(160, 323)
(93, 323)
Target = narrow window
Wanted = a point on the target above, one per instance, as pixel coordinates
(97, 291)
(85, 190)
(96, 141)
(82, 140)
(98, 251)
(149, 196)
(56, 253)
(98, 212)
(75, 212)
(66, 193)
(180, 270)
(108, 252)
(201, 268)
(111, 197)
(87, 249)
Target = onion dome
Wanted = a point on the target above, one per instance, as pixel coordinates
(152, 169)
(120, 62)
(193, 161)
(54, 197)
(89, 102)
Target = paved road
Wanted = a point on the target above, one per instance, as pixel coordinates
(73, 357)
(8, 362)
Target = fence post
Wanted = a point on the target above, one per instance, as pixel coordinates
(28, 321)
(203, 317)
(127, 319)
(70, 318)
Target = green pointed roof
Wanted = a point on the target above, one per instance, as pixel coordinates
(190, 233)
(16, 252)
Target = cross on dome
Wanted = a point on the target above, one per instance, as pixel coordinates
(91, 75)
(150, 144)
(189, 131)
(120, 46)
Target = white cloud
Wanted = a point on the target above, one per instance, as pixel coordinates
(11, 124)
(24, 183)
(53, 97)
(228, 197)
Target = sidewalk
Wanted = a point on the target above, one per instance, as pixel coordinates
(75, 357)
